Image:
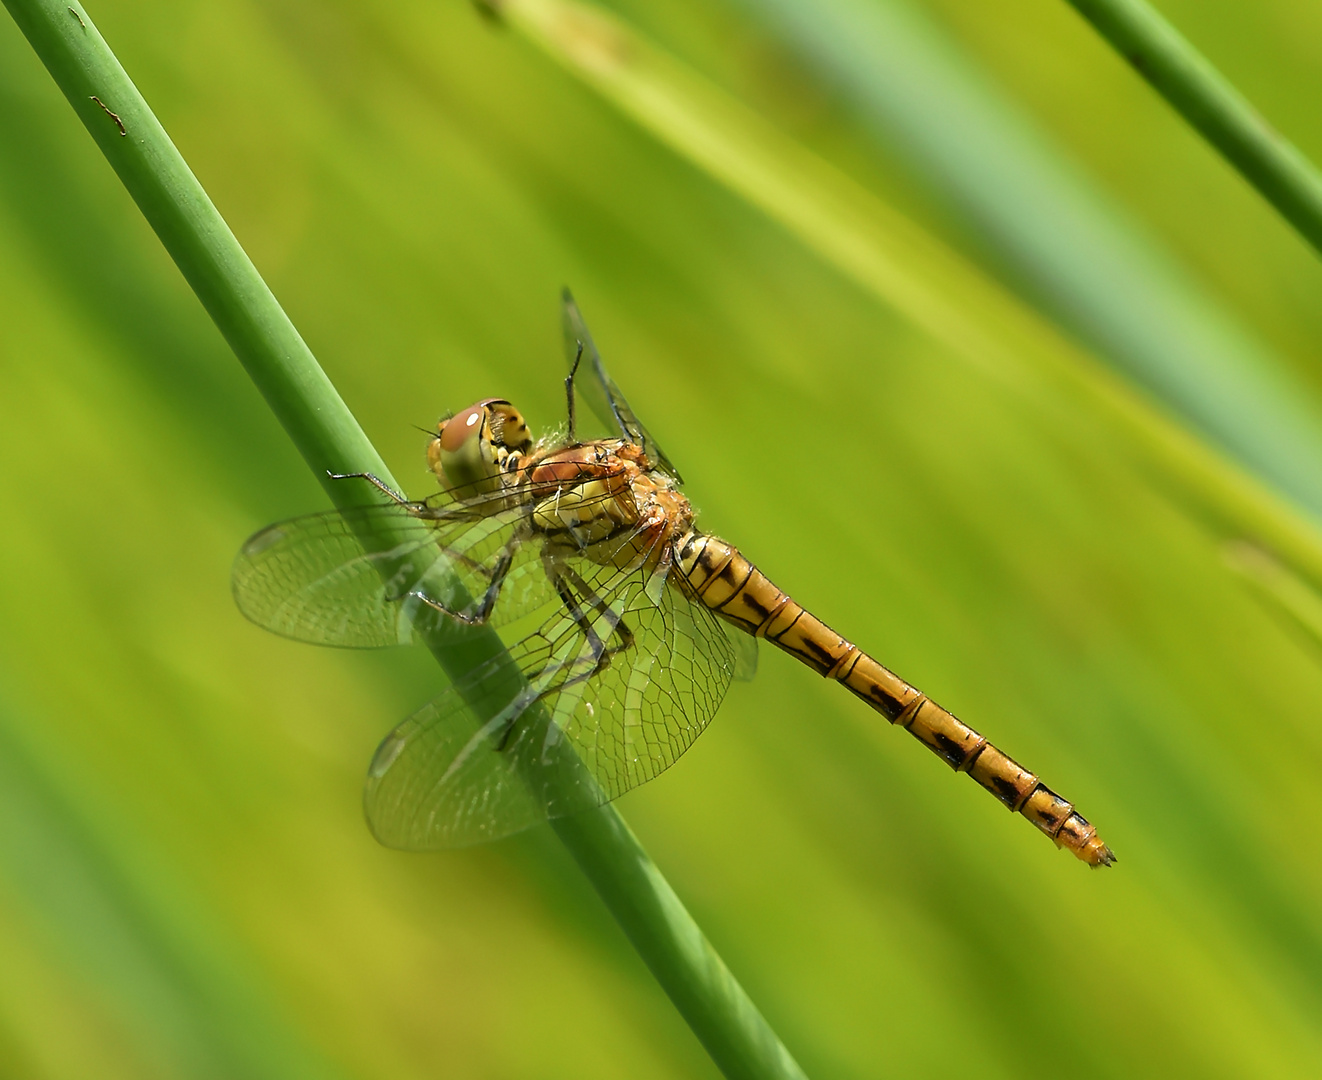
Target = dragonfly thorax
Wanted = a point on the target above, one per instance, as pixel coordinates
(602, 500)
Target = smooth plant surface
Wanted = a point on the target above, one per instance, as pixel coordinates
(186, 884)
(1177, 71)
(340, 456)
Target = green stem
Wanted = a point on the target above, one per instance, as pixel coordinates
(330, 439)
(198, 240)
(1204, 97)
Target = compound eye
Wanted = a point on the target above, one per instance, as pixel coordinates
(462, 455)
(461, 427)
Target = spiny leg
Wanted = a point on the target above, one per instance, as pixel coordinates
(482, 612)
(377, 483)
(569, 392)
(598, 605)
(599, 652)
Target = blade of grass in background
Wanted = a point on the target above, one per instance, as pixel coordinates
(168, 973)
(1289, 596)
(316, 419)
(1064, 243)
(895, 261)
(413, 183)
(1212, 105)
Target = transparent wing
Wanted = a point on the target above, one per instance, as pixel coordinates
(599, 390)
(314, 579)
(745, 652)
(311, 579)
(616, 682)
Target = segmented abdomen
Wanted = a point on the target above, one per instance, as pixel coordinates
(738, 591)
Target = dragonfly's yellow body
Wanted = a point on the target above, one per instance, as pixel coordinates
(738, 591)
(592, 542)
(602, 500)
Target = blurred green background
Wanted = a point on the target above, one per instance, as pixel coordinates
(186, 884)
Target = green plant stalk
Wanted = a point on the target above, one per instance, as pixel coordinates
(902, 266)
(1208, 101)
(330, 440)
(189, 1004)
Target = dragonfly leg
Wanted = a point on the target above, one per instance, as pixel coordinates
(566, 577)
(569, 391)
(376, 482)
(599, 652)
(480, 614)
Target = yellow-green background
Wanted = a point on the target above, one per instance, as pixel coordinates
(186, 885)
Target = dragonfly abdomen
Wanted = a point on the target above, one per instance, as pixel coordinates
(739, 592)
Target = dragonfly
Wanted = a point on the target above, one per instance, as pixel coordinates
(592, 629)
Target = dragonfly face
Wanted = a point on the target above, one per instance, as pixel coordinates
(475, 446)
(617, 613)
(598, 500)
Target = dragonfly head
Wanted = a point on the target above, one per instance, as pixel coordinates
(474, 446)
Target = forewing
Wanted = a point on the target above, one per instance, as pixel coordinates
(313, 580)
(600, 391)
(615, 686)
